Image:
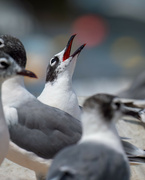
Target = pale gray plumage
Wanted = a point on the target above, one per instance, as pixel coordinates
(44, 130)
(88, 161)
(34, 116)
(91, 157)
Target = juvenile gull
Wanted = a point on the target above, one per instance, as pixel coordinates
(99, 154)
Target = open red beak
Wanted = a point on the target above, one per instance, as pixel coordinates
(25, 72)
(68, 49)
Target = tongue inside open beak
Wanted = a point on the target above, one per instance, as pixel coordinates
(25, 72)
(68, 49)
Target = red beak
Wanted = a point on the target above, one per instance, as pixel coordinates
(25, 72)
(68, 48)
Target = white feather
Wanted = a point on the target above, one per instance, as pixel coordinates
(97, 130)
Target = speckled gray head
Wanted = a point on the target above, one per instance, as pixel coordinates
(13, 47)
(109, 107)
(63, 62)
(9, 68)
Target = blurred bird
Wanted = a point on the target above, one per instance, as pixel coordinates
(37, 131)
(136, 90)
(58, 91)
(99, 154)
(139, 105)
(8, 69)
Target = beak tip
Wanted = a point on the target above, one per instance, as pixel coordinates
(28, 73)
(74, 35)
(34, 76)
(84, 45)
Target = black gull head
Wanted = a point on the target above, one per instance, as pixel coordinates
(14, 48)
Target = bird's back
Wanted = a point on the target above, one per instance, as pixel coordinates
(88, 161)
(44, 130)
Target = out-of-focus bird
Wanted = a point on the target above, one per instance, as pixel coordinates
(136, 90)
(99, 154)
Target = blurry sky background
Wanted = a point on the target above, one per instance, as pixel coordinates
(114, 31)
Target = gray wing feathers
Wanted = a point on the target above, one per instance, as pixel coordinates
(88, 161)
(44, 130)
(132, 150)
(137, 160)
(135, 155)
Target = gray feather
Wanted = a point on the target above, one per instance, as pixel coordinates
(132, 150)
(89, 161)
(44, 130)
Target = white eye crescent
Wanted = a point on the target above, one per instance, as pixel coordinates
(54, 61)
(3, 63)
(1, 43)
(116, 105)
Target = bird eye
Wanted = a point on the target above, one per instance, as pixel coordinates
(3, 64)
(1, 43)
(54, 61)
(117, 105)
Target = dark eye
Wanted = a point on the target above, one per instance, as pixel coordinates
(4, 65)
(1, 43)
(117, 105)
(54, 61)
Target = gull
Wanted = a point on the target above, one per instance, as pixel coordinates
(99, 154)
(58, 91)
(8, 69)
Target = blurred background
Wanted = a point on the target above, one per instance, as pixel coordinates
(113, 30)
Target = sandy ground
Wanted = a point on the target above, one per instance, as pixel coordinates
(12, 171)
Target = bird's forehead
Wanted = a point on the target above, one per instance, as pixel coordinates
(60, 55)
(116, 99)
